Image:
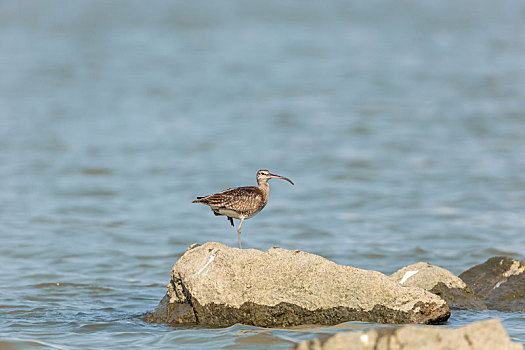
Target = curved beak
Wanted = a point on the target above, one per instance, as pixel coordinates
(281, 177)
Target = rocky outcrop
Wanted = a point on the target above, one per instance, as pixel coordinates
(500, 282)
(215, 285)
(483, 335)
(441, 282)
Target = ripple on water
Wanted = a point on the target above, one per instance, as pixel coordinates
(97, 171)
(66, 285)
(493, 251)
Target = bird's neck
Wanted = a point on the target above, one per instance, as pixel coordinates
(265, 188)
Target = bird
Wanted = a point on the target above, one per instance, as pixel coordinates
(242, 202)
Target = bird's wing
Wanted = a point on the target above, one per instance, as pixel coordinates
(238, 199)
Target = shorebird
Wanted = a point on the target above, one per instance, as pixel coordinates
(241, 202)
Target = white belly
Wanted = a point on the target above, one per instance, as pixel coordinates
(228, 212)
(233, 214)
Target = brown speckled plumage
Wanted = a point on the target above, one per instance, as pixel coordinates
(246, 201)
(241, 202)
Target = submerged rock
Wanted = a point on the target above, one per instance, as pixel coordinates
(215, 285)
(500, 282)
(441, 282)
(482, 335)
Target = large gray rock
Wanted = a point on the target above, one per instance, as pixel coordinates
(500, 282)
(483, 335)
(215, 285)
(441, 282)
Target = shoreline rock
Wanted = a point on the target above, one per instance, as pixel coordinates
(218, 286)
(488, 334)
(441, 282)
(499, 282)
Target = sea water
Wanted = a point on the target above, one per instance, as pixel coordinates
(401, 123)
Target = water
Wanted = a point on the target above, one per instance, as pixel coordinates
(401, 125)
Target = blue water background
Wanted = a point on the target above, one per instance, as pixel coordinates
(402, 125)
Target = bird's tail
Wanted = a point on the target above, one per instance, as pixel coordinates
(198, 200)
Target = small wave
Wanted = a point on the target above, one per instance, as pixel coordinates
(74, 285)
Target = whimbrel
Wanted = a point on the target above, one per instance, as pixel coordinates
(241, 202)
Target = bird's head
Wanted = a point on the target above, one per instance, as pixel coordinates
(264, 175)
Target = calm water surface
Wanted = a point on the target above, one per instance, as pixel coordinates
(401, 125)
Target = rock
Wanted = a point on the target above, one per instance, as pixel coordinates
(500, 282)
(509, 296)
(441, 282)
(215, 285)
(482, 335)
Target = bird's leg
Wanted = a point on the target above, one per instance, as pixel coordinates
(239, 231)
(231, 220)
